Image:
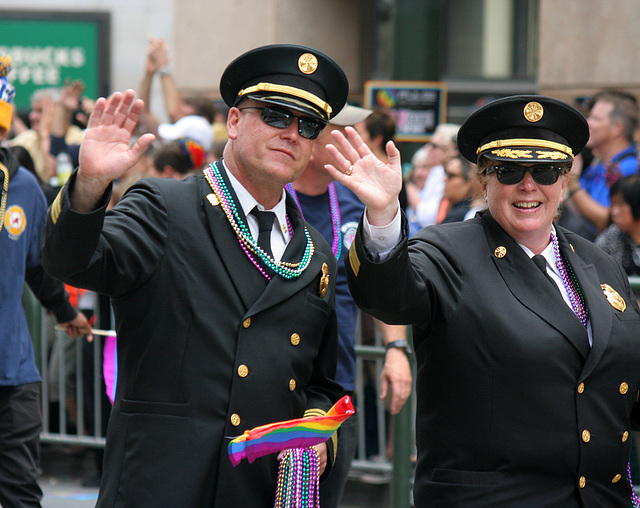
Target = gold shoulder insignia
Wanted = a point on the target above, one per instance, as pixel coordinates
(353, 259)
(55, 207)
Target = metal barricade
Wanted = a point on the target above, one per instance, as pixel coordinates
(63, 381)
(398, 469)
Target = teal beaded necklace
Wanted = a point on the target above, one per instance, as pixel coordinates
(248, 244)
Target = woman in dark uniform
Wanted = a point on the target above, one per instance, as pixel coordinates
(527, 336)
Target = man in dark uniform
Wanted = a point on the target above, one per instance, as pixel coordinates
(224, 323)
(527, 336)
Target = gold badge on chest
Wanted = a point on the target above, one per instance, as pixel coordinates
(616, 301)
(324, 280)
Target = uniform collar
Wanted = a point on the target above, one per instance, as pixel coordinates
(248, 203)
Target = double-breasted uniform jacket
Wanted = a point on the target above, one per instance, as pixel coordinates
(513, 406)
(206, 348)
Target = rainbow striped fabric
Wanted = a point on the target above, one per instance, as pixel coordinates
(297, 433)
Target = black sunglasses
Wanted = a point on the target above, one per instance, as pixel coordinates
(281, 119)
(544, 174)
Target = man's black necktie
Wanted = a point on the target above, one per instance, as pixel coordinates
(265, 225)
(541, 263)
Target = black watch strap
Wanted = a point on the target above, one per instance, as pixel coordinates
(402, 344)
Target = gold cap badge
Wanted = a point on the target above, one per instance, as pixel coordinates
(324, 280)
(307, 63)
(533, 111)
(500, 252)
(616, 301)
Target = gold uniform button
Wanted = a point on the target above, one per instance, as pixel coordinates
(616, 478)
(586, 436)
(295, 339)
(581, 388)
(243, 371)
(247, 322)
(235, 419)
(292, 384)
(582, 482)
(624, 388)
(625, 436)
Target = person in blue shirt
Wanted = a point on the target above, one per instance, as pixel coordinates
(334, 210)
(22, 215)
(613, 119)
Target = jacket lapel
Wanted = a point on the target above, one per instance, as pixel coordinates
(529, 285)
(600, 317)
(247, 280)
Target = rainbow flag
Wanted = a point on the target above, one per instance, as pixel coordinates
(110, 365)
(298, 433)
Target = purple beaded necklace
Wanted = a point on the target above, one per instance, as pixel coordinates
(336, 248)
(299, 479)
(570, 282)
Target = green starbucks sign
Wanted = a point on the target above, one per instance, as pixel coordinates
(49, 47)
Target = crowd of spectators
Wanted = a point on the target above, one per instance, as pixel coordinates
(602, 202)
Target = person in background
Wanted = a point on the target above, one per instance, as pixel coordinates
(189, 117)
(334, 210)
(22, 215)
(458, 188)
(253, 338)
(621, 239)
(526, 334)
(70, 109)
(427, 205)
(178, 159)
(613, 120)
(37, 139)
(425, 187)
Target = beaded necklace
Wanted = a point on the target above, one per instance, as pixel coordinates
(634, 498)
(299, 479)
(248, 244)
(5, 192)
(336, 248)
(570, 282)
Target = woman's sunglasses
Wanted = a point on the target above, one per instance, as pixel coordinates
(544, 174)
(281, 119)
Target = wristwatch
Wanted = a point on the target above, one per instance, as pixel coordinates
(402, 344)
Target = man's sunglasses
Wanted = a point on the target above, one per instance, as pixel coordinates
(544, 174)
(281, 119)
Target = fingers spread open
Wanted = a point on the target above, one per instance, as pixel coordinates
(98, 110)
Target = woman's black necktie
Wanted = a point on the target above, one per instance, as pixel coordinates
(541, 263)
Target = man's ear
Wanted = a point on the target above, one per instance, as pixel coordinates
(232, 123)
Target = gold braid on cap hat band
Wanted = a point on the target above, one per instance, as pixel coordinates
(535, 143)
(289, 90)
